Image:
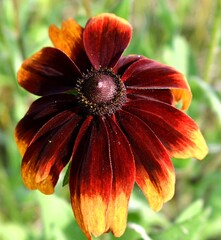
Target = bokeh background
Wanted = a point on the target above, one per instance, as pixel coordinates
(185, 34)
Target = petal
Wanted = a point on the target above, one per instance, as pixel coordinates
(91, 178)
(124, 62)
(149, 74)
(105, 38)
(40, 112)
(154, 169)
(48, 71)
(178, 132)
(69, 39)
(123, 166)
(49, 152)
(163, 95)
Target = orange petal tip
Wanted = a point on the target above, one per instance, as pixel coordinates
(111, 16)
(184, 96)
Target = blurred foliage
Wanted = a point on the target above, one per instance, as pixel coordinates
(185, 34)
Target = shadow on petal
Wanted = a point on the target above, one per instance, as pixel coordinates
(149, 74)
(154, 169)
(123, 167)
(49, 152)
(43, 74)
(40, 112)
(69, 39)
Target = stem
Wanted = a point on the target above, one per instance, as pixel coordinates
(8, 199)
(87, 7)
(104, 236)
(215, 34)
(18, 28)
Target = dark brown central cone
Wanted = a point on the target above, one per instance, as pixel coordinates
(100, 88)
(101, 92)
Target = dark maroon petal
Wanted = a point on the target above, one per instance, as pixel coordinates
(69, 39)
(178, 132)
(154, 169)
(163, 95)
(49, 71)
(40, 112)
(49, 152)
(91, 177)
(105, 38)
(124, 62)
(123, 168)
(149, 74)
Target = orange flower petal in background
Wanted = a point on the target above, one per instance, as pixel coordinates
(182, 95)
(69, 39)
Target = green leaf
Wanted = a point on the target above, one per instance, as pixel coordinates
(58, 219)
(66, 176)
(166, 17)
(189, 224)
(212, 97)
(191, 211)
(208, 188)
(11, 231)
(181, 163)
(177, 55)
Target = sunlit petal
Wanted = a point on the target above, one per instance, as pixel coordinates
(178, 132)
(91, 177)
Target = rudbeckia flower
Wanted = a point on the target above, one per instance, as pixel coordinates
(112, 118)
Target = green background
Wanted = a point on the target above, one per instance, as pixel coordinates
(185, 34)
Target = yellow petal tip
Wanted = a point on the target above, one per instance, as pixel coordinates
(202, 148)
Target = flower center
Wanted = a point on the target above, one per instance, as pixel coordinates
(101, 92)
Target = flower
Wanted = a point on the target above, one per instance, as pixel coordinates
(113, 118)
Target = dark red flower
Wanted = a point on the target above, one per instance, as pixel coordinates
(112, 117)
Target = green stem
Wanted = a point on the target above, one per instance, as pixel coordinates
(18, 28)
(8, 202)
(215, 34)
(105, 236)
(6, 43)
(87, 7)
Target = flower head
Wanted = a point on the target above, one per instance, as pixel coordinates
(113, 118)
